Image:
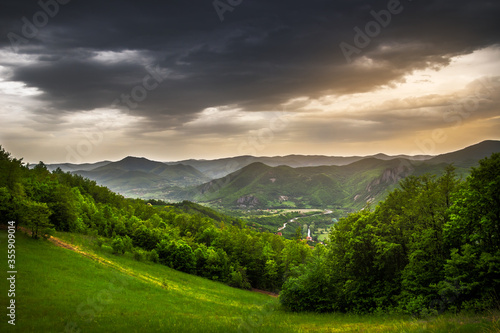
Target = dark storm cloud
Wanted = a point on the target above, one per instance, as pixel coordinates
(261, 55)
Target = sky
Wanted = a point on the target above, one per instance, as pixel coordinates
(84, 81)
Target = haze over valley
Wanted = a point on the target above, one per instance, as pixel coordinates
(293, 181)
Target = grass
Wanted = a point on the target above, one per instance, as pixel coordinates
(58, 290)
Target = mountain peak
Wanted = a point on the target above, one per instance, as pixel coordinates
(133, 158)
(469, 155)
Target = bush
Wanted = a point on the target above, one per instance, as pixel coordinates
(311, 288)
(139, 254)
(238, 278)
(177, 255)
(107, 248)
(183, 258)
(118, 246)
(99, 241)
(153, 256)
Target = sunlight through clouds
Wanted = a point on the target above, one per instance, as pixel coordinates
(194, 84)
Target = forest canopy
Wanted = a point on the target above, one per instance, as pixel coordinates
(432, 245)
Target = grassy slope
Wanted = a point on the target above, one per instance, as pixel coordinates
(59, 290)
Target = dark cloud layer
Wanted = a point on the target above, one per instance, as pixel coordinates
(263, 53)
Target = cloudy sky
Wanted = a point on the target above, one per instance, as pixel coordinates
(82, 81)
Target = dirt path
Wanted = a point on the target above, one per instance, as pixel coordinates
(265, 292)
(60, 243)
(147, 278)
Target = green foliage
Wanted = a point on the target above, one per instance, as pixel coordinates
(91, 296)
(473, 234)
(432, 245)
(153, 256)
(178, 255)
(298, 233)
(311, 288)
(238, 278)
(183, 258)
(35, 216)
(139, 254)
(118, 246)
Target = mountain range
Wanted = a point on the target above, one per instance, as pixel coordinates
(301, 181)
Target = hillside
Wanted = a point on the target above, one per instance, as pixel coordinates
(468, 156)
(349, 186)
(262, 186)
(132, 176)
(108, 293)
(375, 261)
(102, 292)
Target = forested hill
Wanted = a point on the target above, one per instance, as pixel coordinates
(433, 245)
(348, 186)
(184, 236)
(131, 174)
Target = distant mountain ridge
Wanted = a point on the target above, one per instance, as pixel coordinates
(134, 176)
(224, 166)
(292, 180)
(69, 167)
(366, 180)
(261, 186)
(469, 155)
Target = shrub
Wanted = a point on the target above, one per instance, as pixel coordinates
(153, 256)
(118, 246)
(139, 254)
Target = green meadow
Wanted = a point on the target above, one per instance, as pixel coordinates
(60, 290)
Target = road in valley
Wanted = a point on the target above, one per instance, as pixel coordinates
(326, 212)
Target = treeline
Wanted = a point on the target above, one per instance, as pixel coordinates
(432, 245)
(184, 236)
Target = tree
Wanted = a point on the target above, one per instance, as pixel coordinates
(63, 205)
(312, 287)
(238, 278)
(298, 233)
(177, 255)
(10, 169)
(35, 216)
(5, 205)
(473, 234)
(118, 245)
(183, 258)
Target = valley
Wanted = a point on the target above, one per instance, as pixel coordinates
(290, 182)
(284, 222)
